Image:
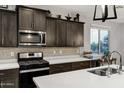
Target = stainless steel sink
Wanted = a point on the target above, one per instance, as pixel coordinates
(103, 71)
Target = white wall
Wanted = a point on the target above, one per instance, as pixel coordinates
(120, 40)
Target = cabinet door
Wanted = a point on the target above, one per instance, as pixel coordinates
(80, 65)
(70, 34)
(59, 68)
(9, 78)
(0, 28)
(9, 83)
(78, 35)
(39, 20)
(51, 32)
(61, 33)
(9, 28)
(25, 19)
(85, 64)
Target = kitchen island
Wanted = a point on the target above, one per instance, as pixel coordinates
(80, 79)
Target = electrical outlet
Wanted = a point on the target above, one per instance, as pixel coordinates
(12, 53)
(54, 52)
(60, 51)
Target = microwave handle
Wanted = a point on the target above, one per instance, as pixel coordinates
(43, 38)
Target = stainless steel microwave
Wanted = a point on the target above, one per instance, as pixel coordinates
(28, 37)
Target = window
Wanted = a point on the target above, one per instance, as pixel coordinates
(99, 40)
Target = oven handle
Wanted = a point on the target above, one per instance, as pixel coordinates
(34, 70)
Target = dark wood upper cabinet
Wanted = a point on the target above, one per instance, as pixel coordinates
(32, 19)
(75, 34)
(9, 28)
(25, 19)
(56, 33)
(70, 34)
(78, 34)
(61, 33)
(51, 32)
(39, 20)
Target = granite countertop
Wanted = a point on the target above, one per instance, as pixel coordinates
(8, 64)
(80, 79)
(67, 59)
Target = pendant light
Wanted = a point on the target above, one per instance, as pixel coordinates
(105, 10)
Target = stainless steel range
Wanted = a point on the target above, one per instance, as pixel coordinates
(31, 65)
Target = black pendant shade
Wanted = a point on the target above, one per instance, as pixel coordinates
(105, 13)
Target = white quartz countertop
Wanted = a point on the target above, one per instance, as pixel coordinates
(80, 79)
(66, 59)
(8, 64)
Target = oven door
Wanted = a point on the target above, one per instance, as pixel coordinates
(30, 38)
(26, 78)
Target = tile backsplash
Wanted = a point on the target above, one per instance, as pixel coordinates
(7, 53)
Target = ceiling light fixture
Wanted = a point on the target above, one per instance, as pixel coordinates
(105, 10)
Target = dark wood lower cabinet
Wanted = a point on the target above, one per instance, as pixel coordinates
(64, 67)
(58, 68)
(94, 63)
(9, 83)
(9, 78)
(80, 65)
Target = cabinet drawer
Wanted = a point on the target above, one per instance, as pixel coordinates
(10, 73)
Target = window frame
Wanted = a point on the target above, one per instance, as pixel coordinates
(99, 30)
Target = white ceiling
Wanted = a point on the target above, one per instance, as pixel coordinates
(85, 11)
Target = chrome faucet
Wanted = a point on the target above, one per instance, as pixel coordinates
(120, 65)
(108, 72)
